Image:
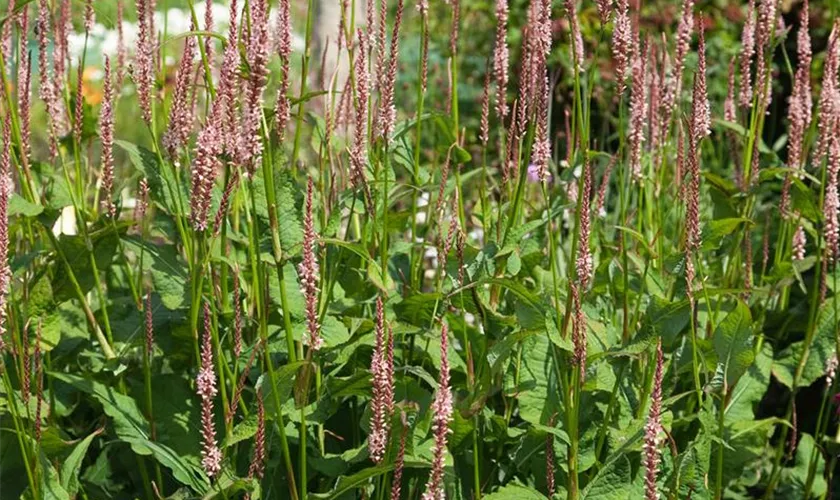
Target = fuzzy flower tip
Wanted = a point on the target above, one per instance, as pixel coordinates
(5, 193)
(830, 370)
(622, 42)
(284, 48)
(309, 273)
(692, 198)
(89, 16)
(250, 145)
(746, 56)
(388, 79)
(106, 124)
(396, 484)
(144, 59)
(501, 57)
(829, 102)
(382, 405)
(541, 153)
(800, 104)
(484, 128)
(359, 148)
(798, 244)
(257, 467)
(205, 165)
(211, 456)
(442, 415)
(181, 113)
(701, 115)
(577, 37)
(682, 46)
(653, 428)
(584, 258)
(832, 226)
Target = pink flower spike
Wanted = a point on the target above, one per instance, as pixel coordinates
(501, 58)
(701, 115)
(180, 125)
(89, 16)
(622, 43)
(442, 414)
(653, 428)
(747, 53)
(211, 455)
(309, 273)
(6, 188)
(106, 133)
(205, 165)
(381, 368)
(683, 45)
(250, 144)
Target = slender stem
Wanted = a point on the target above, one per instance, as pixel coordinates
(304, 76)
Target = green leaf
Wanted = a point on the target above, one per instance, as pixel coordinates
(349, 483)
(740, 130)
(187, 472)
(71, 466)
(715, 231)
(14, 480)
(132, 427)
(821, 350)
(613, 482)
(286, 192)
(294, 297)
(78, 257)
(419, 308)
(165, 190)
(750, 389)
(245, 429)
(346, 484)
(515, 235)
(610, 470)
(50, 487)
(20, 206)
(169, 272)
(537, 389)
(515, 491)
(127, 418)
(733, 342)
(666, 319)
(744, 443)
(795, 478)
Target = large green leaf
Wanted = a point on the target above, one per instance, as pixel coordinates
(613, 482)
(794, 479)
(50, 486)
(418, 309)
(169, 272)
(345, 484)
(822, 348)
(750, 389)
(14, 480)
(733, 342)
(165, 189)
(715, 231)
(515, 491)
(78, 257)
(537, 389)
(71, 466)
(286, 192)
(132, 427)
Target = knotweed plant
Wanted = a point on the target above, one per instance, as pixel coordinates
(419, 250)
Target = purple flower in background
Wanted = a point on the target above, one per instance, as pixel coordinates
(534, 174)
